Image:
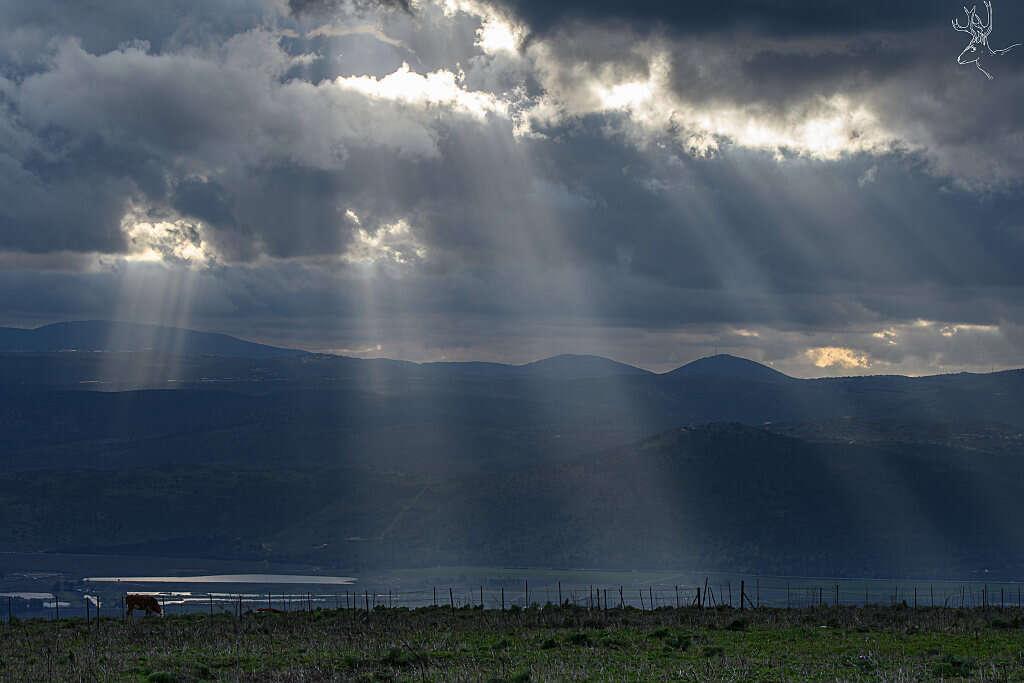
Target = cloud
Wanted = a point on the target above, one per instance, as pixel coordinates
(644, 181)
(436, 89)
(837, 357)
(334, 6)
(869, 176)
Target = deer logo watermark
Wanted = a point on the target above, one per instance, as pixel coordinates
(978, 48)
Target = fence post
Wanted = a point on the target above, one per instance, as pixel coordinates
(743, 593)
(451, 598)
(677, 597)
(502, 598)
(622, 599)
(481, 597)
(526, 585)
(559, 593)
(837, 596)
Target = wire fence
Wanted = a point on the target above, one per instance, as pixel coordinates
(744, 593)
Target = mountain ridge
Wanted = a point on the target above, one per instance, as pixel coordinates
(116, 336)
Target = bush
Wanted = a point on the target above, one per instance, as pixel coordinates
(162, 677)
(580, 639)
(400, 658)
(953, 666)
(737, 625)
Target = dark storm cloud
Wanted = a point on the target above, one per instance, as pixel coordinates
(329, 6)
(27, 27)
(518, 198)
(789, 18)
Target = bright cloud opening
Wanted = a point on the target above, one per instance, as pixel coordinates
(440, 88)
(173, 241)
(837, 357)
(391, 243)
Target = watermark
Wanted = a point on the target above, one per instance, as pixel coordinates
(978, 48)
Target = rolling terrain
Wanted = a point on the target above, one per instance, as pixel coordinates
(574, 461)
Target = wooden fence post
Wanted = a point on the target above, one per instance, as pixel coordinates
(743, 593)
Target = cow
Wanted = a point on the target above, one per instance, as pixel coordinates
(148, 603)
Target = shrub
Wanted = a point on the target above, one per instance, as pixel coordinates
(952, 666)
(580, 639)
(737, 625)
(162, 677)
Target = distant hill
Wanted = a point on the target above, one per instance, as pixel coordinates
(724, 366)
(100, 335)
(570, 366)
(723, 497)
(565, 367)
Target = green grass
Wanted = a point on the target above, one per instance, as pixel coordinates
(825, 644)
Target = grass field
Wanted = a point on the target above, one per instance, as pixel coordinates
(891, 644)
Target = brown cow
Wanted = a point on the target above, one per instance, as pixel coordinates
(148, 603)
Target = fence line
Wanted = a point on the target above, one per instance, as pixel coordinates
(746, 593)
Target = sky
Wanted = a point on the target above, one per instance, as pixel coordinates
(815, 185)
